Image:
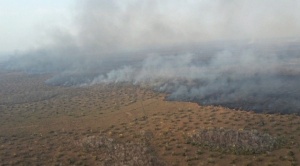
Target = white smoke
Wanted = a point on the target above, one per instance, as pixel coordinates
(209, 51)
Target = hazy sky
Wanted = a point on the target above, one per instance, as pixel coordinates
(104, 25)
(24, 22)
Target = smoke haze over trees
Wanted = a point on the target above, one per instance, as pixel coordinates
(240, 54)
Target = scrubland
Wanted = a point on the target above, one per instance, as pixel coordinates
(122, 124)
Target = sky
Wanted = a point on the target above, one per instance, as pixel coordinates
(24, 22)
(138, 24)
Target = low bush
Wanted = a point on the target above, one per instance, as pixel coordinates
(112, 152)
(234, 141)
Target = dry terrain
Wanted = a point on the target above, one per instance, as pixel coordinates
(122, 124)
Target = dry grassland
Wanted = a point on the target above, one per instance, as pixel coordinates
(124, 124)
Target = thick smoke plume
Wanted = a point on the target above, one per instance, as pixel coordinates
(239, 54)
(246, 79)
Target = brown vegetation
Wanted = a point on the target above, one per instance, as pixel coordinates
(235, 141)
(67, 129)
(112, 152)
